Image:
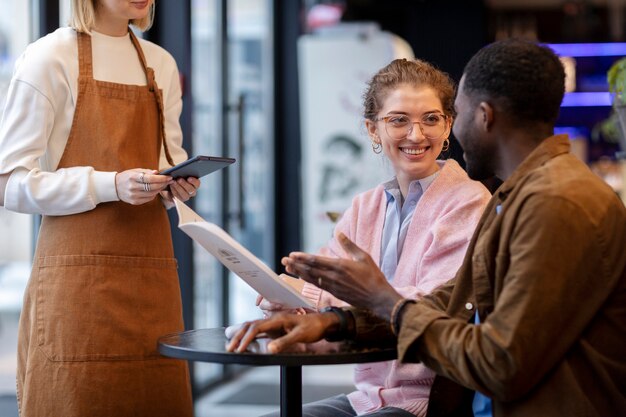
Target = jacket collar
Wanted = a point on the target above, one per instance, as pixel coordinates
(548, 149)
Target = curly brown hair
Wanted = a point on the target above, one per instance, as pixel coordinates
(415, 73)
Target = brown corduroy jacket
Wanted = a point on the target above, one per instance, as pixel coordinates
(546, 270)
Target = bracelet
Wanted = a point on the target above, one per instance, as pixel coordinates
(395, 314)
(343, 323)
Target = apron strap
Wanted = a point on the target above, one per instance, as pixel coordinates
(142, 57)
(85, 60)
(154, 88)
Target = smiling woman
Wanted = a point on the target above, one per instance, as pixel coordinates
(412, 152)
(400, 96)
(415, 226)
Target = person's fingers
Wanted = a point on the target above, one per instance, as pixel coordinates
(259, 298)
(247, 332)
(351, 248)
(288, 264)
(340, 265)
(136, 186)
(279, 344)
(311, 265)
(269, 306)
(157, 187)
(322, 262)
(186, 186)
(297, 334)
(234, 342)
(248, 336)
(195, 182)
(301, 269)
(325, 279)
(265, 305)
(151, 188)
(167, 195)
(287, 329)
(272, 325)
(153, 177)
(179, 192)
(150, 181)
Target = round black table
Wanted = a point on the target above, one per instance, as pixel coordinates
(209, 345)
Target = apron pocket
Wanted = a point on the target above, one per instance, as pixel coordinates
(95, 307)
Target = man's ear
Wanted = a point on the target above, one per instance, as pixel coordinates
(485, 116)
(372, 131)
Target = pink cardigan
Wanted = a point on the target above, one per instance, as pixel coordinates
(438, 236)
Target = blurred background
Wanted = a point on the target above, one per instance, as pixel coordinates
(277, 84)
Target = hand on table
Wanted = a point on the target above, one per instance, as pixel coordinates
(358, 280)
(286, 330)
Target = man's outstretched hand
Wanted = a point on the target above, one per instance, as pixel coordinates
(357, 280)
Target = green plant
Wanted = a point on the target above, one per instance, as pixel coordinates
(616, 76)
(607, 130)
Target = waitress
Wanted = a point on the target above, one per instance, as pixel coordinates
(92, 115)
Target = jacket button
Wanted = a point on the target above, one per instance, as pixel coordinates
(469, 306)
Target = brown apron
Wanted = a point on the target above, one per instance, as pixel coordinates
(104, 284)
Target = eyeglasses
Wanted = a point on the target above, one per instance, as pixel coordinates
(399, 126)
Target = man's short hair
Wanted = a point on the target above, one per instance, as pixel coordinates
(526, 79)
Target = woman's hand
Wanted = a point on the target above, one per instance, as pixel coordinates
(139, 186)
(357, 281)
(181, 188)
(269, 308)
(285, 329)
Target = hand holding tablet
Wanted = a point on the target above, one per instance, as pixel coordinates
(198, 166)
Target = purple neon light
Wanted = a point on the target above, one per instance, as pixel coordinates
(589, 49)
(587, 99)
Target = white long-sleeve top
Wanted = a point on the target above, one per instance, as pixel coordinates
(40, 108)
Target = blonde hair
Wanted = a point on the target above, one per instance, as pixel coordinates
(83, 16)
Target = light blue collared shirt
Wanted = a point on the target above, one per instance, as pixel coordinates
(397, 220)
(481, 406)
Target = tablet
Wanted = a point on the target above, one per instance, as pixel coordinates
(198, 166)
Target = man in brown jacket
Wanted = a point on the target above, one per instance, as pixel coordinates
(534, 323)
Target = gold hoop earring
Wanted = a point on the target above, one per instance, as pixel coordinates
(377, 147)
(446, 145)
